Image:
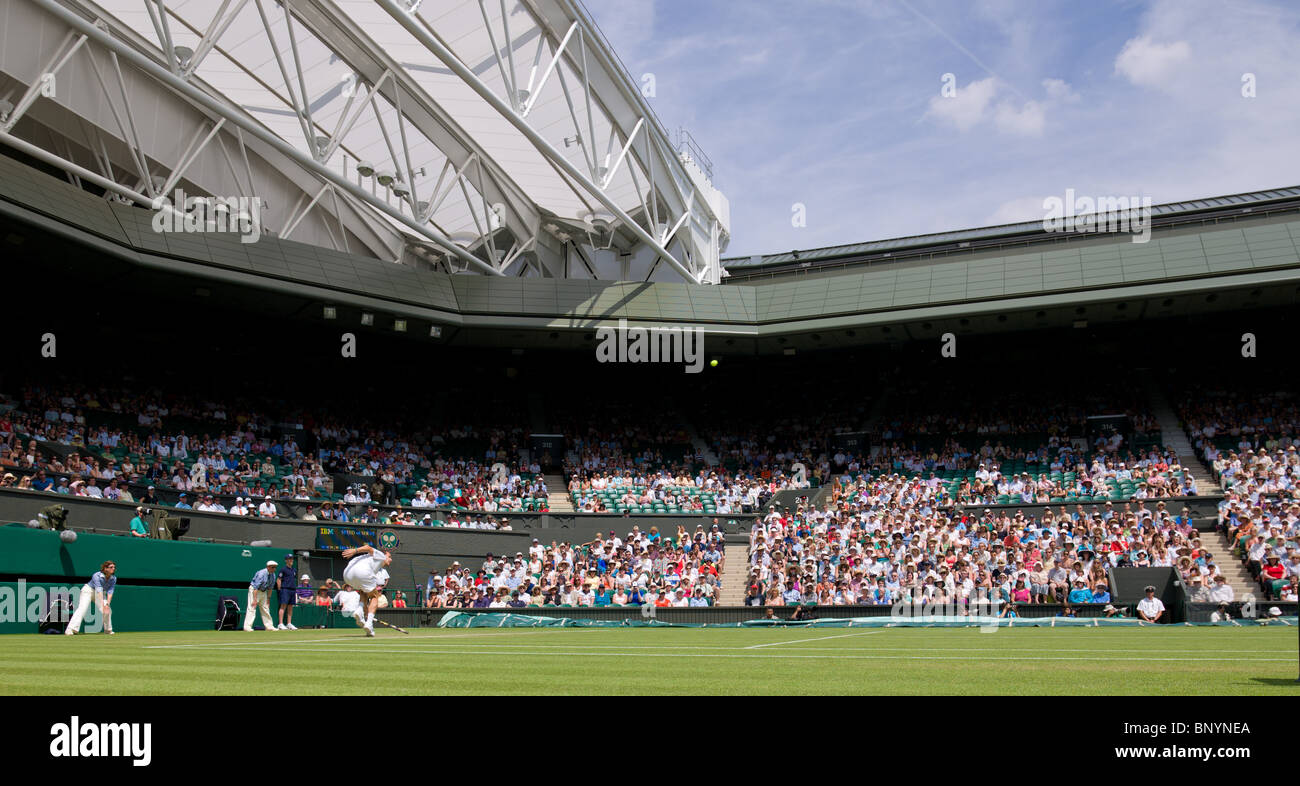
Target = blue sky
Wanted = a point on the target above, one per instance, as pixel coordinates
(835, 104)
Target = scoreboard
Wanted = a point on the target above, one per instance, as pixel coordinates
(340, 538)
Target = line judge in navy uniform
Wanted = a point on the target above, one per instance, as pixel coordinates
(287, 583)
(259, 596)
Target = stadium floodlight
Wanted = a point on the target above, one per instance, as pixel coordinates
(183, 56)
(330, 312)
(322, 144)
(367, 318)
(399, 325)
(400, 188)
(385, 177)
(365, 168)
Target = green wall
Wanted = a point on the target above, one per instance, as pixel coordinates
(35, 552)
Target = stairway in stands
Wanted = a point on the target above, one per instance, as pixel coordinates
(557, 494)
(701, 447)
(1173, 436)
(735, 573)
(1231, 565)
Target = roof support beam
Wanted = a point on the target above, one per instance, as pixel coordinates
(85, 174)
(302, 84)
(297, 217)
(507, 77)
(345, 123)
(146, 176)
(158, 15)
(471, 79)
(38, 84)
(550, 68)
(215, 30)
(242, 121)
(284, 74)
(328, 22)
(609, 176)
(190, 154)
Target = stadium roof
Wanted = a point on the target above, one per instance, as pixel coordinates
(508, 130)
(969, 236)
(1244, 260)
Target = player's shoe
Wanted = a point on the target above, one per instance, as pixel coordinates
(248, 630)
(281, 627)
(370, 631)
(291, 627)
(69, 632)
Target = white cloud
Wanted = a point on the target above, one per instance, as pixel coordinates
(1028, 120)
(1149, 64)
(974, 104)
(967, 108)
(1060, 90)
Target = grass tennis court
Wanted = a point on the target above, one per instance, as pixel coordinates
(559, 661)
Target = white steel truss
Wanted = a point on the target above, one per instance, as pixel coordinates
(363, 104)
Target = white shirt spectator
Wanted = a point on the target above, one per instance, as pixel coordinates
(1222, 593)
(1151, 606)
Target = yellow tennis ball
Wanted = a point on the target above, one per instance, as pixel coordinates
(714, 362)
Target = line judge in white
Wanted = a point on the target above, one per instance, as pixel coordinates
(100, 588)
(366, 573)
(1151, 608)
(259, 596)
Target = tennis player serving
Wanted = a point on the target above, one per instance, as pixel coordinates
(365, 572)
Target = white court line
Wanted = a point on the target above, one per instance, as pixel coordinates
(490, 633)
(357, 638)
(738, 655)
(1160, 651)
(819, 638)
